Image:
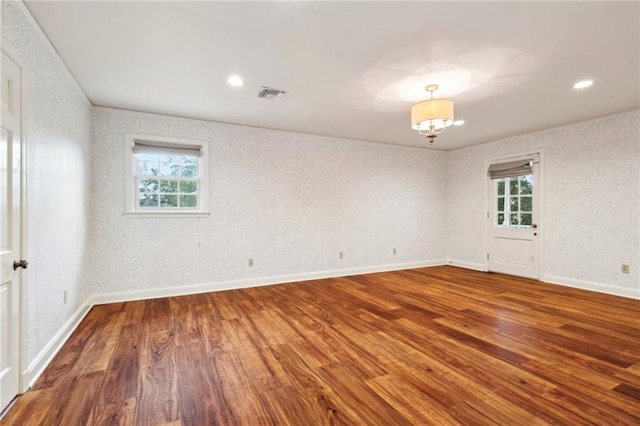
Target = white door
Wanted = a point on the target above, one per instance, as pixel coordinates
(10, 210)
(513, 217)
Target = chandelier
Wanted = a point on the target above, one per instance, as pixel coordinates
(432, 117)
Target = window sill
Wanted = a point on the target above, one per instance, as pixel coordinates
(167, 214)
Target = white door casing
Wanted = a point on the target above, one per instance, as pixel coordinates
(514, 223)
(10, 228)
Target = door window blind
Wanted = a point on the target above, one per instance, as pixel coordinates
(510, 169)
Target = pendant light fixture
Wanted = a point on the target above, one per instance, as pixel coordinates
(432, 117)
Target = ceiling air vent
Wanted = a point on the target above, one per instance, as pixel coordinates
(270, 93)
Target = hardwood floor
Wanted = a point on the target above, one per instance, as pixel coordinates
(426, 346)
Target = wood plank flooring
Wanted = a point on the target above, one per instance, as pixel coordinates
(441, 346)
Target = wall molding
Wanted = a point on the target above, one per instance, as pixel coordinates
(632, 293)
(37, 367)
(467, 265)
(42, 360)
(127, 296)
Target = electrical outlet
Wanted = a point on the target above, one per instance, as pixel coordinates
(395, 251)
(341, 255)
(64, 295)
(250, 262)
(625, 268)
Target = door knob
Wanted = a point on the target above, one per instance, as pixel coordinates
(534, 226)
(20, 264)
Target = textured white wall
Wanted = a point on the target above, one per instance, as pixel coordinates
(289, 201)
(57, 118)
(591, 199)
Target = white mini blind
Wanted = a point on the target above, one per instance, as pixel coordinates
(151, 147)
(510, 169)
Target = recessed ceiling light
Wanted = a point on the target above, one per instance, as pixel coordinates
(234, 80)
(583, 84)
(458, 122)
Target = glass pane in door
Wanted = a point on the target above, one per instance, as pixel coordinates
(514, 202)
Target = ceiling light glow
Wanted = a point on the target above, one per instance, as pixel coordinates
(466, 70)
(583, 84)
(236, 81)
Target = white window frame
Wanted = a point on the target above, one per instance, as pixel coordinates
(131, 205)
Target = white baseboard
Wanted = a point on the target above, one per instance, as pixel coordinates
(43, 359)
(126, 296)
(37, 366)
(632, 293)
(467, 265)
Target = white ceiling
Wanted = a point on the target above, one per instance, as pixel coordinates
(353, 69)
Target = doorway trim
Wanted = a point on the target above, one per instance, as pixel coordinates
(488, 198)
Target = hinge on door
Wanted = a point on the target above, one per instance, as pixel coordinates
(487, 256)
(487, 215)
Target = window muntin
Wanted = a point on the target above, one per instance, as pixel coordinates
(514, 202)
(166, 177)
(166, 181)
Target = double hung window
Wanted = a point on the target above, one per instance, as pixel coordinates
(166, 176)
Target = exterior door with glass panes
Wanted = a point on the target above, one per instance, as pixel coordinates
(513, 232)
